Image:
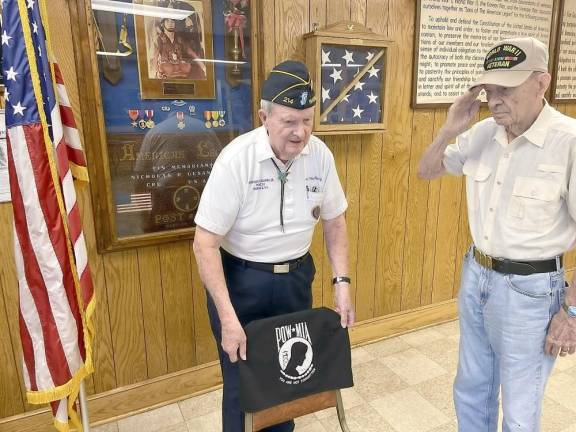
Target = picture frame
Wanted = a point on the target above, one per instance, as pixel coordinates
(176, 65)
(451, 41)
(149, 159)
(563, 88)
(349, 63)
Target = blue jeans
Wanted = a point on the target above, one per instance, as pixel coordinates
(503, 325)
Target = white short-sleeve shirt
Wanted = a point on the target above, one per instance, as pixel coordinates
(241, 200)
(521, 195)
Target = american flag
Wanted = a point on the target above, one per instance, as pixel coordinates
(44, 153)
(340, 66)
(138, 203)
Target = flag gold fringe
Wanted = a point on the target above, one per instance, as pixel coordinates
(71, 389)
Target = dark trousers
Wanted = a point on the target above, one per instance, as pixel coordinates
(256, 294)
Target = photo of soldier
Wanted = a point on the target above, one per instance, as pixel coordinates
(175, 48)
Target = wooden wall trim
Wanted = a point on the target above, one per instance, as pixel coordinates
(144, 396)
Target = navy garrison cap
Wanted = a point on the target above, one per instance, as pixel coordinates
(289, 84)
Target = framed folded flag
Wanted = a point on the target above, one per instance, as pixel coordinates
(350, 72)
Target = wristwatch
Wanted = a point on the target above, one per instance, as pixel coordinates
(570, 310)
(339, 279)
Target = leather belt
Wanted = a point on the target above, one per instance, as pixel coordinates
(283, 267)
(523, 268)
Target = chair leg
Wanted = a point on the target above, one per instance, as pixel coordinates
(341, 413)
(248, 422)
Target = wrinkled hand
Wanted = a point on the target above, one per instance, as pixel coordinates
(561, 337)
(344, 304)
(462, 112)
(234, 340)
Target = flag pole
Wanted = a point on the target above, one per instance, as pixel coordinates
(84, 408)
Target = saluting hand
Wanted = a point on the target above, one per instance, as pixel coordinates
(233, 339)
(462, 112)
(343, 304)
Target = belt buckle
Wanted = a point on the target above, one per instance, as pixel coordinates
(486, 260)
(282, 268)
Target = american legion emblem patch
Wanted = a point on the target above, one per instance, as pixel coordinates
(294, 355)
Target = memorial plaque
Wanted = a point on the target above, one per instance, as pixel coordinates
(452, 38)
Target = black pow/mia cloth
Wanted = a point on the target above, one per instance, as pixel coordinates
(294, 355)
(289, 84)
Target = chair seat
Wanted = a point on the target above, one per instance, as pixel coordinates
(293, 409)
(297, 408)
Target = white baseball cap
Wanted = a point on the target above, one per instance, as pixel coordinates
(512, 61)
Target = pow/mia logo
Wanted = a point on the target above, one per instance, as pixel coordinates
(295, 353)
(303, 98)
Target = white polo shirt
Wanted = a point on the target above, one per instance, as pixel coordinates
(521, 195)
(241, 200)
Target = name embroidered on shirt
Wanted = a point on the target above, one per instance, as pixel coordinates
(260, 184)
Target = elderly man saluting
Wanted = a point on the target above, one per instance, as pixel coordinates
(515, 313)
(266, 192)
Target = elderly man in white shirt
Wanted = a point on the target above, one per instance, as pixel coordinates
(266, 192)
(515, 313)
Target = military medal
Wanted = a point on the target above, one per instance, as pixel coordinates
(215, 115)
(133, 114)
(222, 122)
(142, 124)
(180, 117)
(208, 116)
(149, 123)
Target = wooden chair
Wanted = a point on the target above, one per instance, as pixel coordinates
(306, 405)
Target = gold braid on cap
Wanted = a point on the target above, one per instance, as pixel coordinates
(289, 88)
(290, 74)
(303, 83)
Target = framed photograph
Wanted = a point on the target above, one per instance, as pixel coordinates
(349, 63)
(160, 125)
(175, 55)
(452, 38)
(564, 77)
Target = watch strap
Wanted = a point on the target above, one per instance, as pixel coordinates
(339, 279)
(570, 310)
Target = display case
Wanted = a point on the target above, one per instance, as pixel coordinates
(167, 84)
(349, 63)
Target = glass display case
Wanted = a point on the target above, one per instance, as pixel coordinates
(173, 79)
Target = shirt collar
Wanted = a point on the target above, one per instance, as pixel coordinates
(264, 150)
(536, 134)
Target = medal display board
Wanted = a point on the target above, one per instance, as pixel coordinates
(350, 66)
(452, 38)
(564, 83)
(174, 81)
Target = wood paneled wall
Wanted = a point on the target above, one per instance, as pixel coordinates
(407, 236)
